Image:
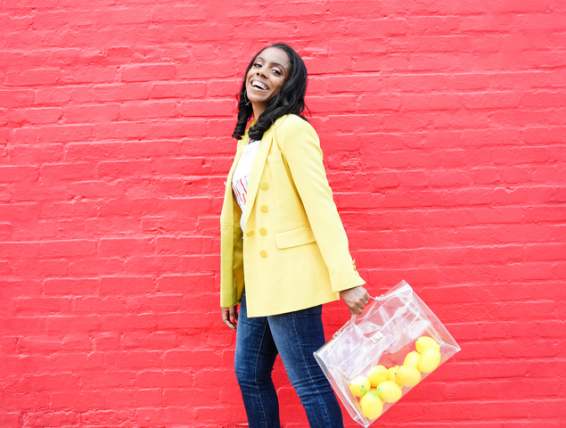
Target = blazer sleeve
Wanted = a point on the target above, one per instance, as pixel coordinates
(301, 150)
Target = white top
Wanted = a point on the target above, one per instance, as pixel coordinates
(242, 174)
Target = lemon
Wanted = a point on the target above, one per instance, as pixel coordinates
(412, 359)
(372, 406)
(391, 373)
(389, 391)
(359, 386)
(430, 359)
(408, 376)
(377, 375)
(425, 342)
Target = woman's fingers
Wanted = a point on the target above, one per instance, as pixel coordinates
(227, 317)
(233, 314)
(356, 298)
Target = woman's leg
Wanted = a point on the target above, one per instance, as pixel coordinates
(297, 335)
(254, 359)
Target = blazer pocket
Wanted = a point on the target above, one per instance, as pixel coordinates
(294, 237)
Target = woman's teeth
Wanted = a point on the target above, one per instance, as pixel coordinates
(259, 86)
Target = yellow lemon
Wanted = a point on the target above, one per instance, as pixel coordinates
(372, 406)
(389, 391)
(408, 376)
(425, 342)
(391, 373)
(430, 359)
(412, 359)
(359, 386)
(377, 375)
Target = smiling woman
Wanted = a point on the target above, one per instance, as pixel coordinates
(266, 78)
(275, 84)
(284, 251)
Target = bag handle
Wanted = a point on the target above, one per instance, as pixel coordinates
(354, 316)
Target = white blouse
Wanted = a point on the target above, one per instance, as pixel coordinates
(241, 175)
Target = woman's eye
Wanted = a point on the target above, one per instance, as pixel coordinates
(276, 71)
(257, 64)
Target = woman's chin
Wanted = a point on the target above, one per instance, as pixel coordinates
(258, 100)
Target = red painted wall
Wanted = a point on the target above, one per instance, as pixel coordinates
(443, 125)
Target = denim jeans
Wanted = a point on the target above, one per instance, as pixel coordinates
(294, 336)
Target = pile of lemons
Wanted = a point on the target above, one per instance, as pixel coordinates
(386, 385)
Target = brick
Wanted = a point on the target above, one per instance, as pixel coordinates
(90, 305)
(126, 286)
(70, 286)
(164, 379)
(34, 77)
(178, 128)
(16, 98)
(104, 417)
(67, 171)
(179, 89)
(121, 130)
(156, 303)
(137, 110)
(122, 16)
(130, 322)
(180, 284)
(166, 245)
(67, 248)
(46, 153)
(148, 72)
(195, 108)
(94, 74)
(124, 168)
(96, 189)
(92, 113)
(113, 92)
(35, 306)
(10, 173)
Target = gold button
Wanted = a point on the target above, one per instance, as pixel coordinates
(263, 254)
(250, 232)
(264, 208)
(262, 231)
(264, 185)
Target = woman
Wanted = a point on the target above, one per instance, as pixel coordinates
(284, 251)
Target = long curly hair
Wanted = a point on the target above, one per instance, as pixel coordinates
(289, 100)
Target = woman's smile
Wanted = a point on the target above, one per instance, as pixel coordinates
(259, 85)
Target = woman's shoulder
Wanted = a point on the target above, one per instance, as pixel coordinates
(293, 123)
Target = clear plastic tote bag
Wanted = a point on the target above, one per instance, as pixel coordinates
(377, 357)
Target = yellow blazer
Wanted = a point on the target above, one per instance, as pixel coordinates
(294, 253)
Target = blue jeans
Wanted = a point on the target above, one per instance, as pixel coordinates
(294, 336)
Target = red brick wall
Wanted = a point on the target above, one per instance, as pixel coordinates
(443, 125)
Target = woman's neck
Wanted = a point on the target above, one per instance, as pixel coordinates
(258, 110)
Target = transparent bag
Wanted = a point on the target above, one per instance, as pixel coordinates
(384, 335)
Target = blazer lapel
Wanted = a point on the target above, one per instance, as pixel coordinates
(256, 171)
(243, 142)
(227, 207)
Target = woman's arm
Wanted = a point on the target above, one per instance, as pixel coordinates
(300, 148)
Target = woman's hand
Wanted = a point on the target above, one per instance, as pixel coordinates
(355, 298)
(230, 317)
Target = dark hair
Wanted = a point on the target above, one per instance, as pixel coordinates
(289, 100)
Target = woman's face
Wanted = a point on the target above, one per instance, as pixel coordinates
(267, 76)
